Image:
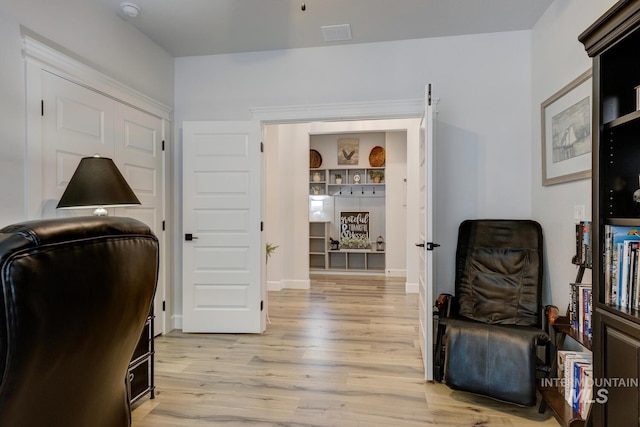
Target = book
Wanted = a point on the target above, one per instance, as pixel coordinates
(569, 384)
(622, 286)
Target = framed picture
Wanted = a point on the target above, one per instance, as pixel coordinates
(566, 133)
(348, 151)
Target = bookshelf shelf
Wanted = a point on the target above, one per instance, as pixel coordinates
(563, 412)
(579, 337)
(620, 121)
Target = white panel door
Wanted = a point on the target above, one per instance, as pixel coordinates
(425, 238)
(77, 122)
(138, 155)
(223, 247)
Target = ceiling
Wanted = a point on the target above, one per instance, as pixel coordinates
(205, 27)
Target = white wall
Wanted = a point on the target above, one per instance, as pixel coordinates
(484, 121)
(78, 28)
(558, 58)
(396, 204)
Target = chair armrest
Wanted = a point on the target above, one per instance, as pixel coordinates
(551, 314)
(446, 305)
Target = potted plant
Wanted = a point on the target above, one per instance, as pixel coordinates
(338, 178)
(376, 176)
(269, 250)
(316, 190)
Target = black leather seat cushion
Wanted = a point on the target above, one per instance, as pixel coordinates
(493, 360)
(75, 294)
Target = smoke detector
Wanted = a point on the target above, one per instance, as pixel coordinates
(130, 9)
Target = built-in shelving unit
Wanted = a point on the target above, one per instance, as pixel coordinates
(352, 182)
(612, 41)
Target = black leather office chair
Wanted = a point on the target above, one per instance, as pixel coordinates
(490, 342)
(75, 294)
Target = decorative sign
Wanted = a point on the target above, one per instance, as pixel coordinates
(348, 151)
(354, 225)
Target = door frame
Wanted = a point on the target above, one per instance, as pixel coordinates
(40, 58)
(343, 112)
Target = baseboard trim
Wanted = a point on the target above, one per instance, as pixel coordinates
(390, 272)
(274, 286)
(296, 284)
(176, 321)
(411, 288)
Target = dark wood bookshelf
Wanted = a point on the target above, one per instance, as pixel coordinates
(612, 41)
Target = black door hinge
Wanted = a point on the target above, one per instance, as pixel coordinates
(42, 107)
(163, 225)
(164, 305)
(262, 147)
(163, 145)
(261, 226)
(261, 305)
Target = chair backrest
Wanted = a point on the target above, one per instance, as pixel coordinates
(75, 294)
(499, 271)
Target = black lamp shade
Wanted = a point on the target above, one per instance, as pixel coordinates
(97, 182)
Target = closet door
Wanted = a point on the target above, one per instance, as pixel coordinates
(76, 123)
(138, 155)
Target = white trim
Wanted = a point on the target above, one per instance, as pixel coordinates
(396, 272)
(75, 71)
(296, 284)
(176, 321)
(274, 286)
(411, 288)
(403, 108)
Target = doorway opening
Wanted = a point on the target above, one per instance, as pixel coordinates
(303, 246)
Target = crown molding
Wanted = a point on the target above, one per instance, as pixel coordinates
(403, 108)
(53, 61)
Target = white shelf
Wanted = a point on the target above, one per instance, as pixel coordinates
(345, 260)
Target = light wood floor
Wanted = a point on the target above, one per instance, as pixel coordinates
(344, 353)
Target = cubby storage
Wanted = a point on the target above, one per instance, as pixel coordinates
(356, 188)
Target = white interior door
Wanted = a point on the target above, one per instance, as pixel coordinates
(425, 243)
(223, 246)
(138, 155)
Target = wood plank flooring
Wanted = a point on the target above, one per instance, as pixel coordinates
(344, 353)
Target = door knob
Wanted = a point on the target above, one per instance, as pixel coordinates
(420, 245)
(431, 246)
(189, 237)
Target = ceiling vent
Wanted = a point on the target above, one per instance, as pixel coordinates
(336, 33)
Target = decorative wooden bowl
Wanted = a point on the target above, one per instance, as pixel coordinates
(315, 159)
(377, 157)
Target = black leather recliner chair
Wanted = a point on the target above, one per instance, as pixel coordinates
(75, 296)
(491, 337)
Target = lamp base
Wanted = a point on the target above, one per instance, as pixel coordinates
(101, 212)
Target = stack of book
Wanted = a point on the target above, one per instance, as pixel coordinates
(580, 308)
(583, 244)
(575, 372)
(621, 259)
